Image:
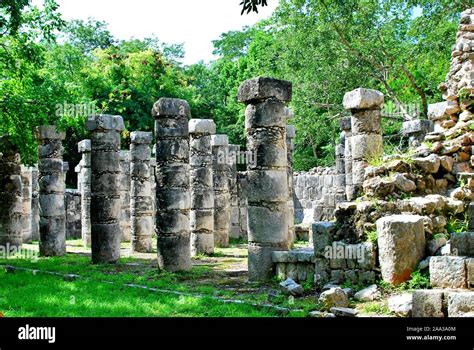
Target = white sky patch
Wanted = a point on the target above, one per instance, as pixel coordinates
(192, 22)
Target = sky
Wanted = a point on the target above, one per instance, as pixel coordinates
(192, 22)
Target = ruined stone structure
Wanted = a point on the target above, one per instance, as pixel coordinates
(52, 187)
(125, 183)
(72, 202)
(366, 139)
(202, 192)
(220, 171)
(234, 230)
(35, 210)
(267, 192)
(172, 184)
(84, 185)
(27, 189)
(243, 204)
(141, 204)
(290, 149)
(105, 187)
(11, 204)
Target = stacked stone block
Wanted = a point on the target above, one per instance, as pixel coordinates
(234, 152)
(125, 195)
(141, 204)
(346, 134)
(105, 204)
(220, 170)
(316, 194)
(85, 148)
(267, 192)
(26, 195)
(336, 261)
(72, 200)
(202, 191)
(11, 204)
(35, 212)
(173, 200)
(290, 148)
(243, 205)
(366, 140)
(52, 187)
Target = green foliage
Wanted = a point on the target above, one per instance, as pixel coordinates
(371, 236)
(457, 225)
(418, 280)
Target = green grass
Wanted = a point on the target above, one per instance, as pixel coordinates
(24, 295)
(203, 282)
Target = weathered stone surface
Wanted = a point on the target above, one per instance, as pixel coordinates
(460, 304)
(142, 226)
(429, 164)
(202, 192)
(51, 187)
(11, 206)
(401, 241)
(266, 114)
(362, 98)
(172, 184)
(379, 187)
(170, 107)
(344, 312)
(268, 192)
(334, 297)
(366, 121)
(463, 243)
(428, 303)
(291, 287)
(448, 272)
(105, 122)
(370, 293)
(322, 233)
(417, 126)
(202, 126)
(401, 304)
(262, 88)
(106, 234)
(403, 184)
(437, 111)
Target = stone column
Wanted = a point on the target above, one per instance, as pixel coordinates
(153, 191)
(234, 152)
(84, 148)
(35, 212)
(105, 187)
(11, 205)
(346, 133)
(141, 204)
(290, 148)
(173, 200)
(242, 192)
(267, 192)
(125, 195)
(52, 186)
(366, 140)
(220, 169)
(202, 193)
(26, 195)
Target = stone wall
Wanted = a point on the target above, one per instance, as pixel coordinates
(316, 194)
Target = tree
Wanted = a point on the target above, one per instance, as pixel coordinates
(252, 5)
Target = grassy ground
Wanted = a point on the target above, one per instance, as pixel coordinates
(102, 292)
